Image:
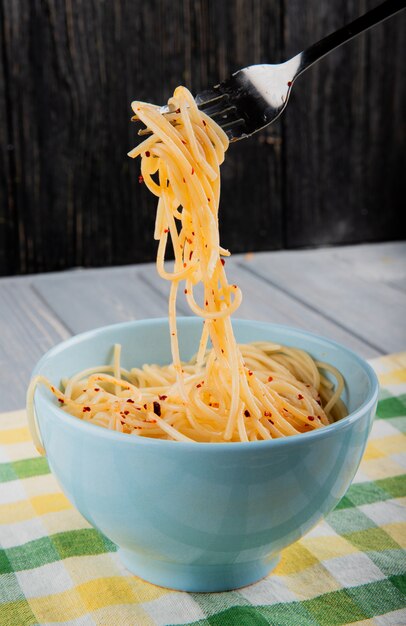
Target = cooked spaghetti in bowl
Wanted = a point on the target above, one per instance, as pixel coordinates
(191, 516)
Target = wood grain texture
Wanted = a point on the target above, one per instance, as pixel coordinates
(375, 263)
(73, 69)
(28, 329)
(87, 299)
(344, 130)
(8, 246)
(91, 298)
(372, 310)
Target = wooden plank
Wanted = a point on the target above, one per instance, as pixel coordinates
(372, 311)
(343, 148)
(28, 329)
(88, 299)
(384, 262)
(8, 241)
(74, 69)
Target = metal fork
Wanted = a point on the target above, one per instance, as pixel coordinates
(255, 96)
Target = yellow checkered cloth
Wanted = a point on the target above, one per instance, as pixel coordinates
(56, 569)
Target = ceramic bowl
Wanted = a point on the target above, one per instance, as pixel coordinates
(201, 516)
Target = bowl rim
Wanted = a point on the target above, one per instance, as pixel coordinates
(299, 439)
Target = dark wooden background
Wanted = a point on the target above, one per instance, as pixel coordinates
(331, 171)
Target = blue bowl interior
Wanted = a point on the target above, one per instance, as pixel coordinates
(148, 341)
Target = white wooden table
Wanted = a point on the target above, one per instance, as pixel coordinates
(354, 294)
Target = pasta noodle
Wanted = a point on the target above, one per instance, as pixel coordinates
(228, 392)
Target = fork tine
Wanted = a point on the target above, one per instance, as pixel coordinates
(209, 97)
(216, 112)
(229, 125)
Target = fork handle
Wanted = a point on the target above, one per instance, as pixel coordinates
(336, 39)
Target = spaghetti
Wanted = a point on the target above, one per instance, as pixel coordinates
(230, 392)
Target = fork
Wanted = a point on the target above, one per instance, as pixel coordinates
(256, 95)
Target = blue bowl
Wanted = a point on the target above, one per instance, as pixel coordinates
(201, 516)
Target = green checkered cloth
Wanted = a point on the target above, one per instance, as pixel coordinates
(350, 569)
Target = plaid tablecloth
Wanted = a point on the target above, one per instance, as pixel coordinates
(56, 569)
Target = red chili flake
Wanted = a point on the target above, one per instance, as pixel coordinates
(204, 123)
(209, 199)
(189, 240)
(222, 261)
(193, 170)
(247, 413)
(267, 413)
(184, 265)
(289, 83)
(310, 418)
(157, 409)
(177, 111)
(97, 388)
(222, 351)
(166, 230)
(86, 409)
(190, 254)
(130, 401)
(184, 180)
(122, 423)
(249, 373)
(61, 401)
(126, 412)
(145, 406)
(173, 334)
(147, 154)
(299, 396)
(193, 233)
(274, 422)
(162, 397)
(183, 141)
(199, 385)
(270, 379)
(185, 290)
(234, 286)
(207, 304)
(140, 179)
